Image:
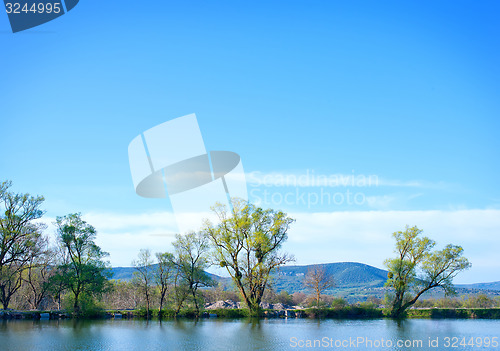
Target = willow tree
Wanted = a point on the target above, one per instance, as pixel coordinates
(190, 261)
(417, 269)
(247, 241)
(85, 272)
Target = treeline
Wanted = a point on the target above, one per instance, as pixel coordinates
(246, 241)
(466, 301)
(73, 273)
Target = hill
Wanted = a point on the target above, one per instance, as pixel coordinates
(345, 275)
(353, 281)
(289, 278)
(126, 274)
(481, 286)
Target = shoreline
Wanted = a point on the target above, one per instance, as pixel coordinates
(352, 313)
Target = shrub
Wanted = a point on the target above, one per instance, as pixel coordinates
(339, 303)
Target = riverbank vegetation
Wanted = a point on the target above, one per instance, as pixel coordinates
(71, 276)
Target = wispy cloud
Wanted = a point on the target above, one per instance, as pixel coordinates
(311, 178)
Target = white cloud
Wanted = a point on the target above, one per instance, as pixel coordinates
(366, 237)
(363, 236)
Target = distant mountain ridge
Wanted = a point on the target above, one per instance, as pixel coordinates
(345, 275)
(290, 278)
(481, 286)
(351, 277)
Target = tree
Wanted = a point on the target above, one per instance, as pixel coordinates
(144, 276)
(339, 303)
(284, 297)
(416, 269)
(163, 275)
(191, 260)
(20, 237)
(247, 242)
(38, 276)
(319, 280)
(85, 274)
(58, 281)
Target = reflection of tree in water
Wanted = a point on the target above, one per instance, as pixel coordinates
(401, 329)
(254, 323)
(184, 325)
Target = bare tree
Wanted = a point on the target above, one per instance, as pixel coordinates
(163, 275)
(37, 276)
(144, 276)
(319, 280)
(58, 283)
(191, 260)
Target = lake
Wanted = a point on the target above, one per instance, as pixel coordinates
(273, 334)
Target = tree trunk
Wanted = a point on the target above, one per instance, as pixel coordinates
(195, 303)
(76, 305)
(147, 305)
(399, 309)
(5, 299)
(161, 306)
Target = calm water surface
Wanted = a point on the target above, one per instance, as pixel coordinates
(274, 334)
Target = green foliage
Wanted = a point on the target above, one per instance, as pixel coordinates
(339, 303)
(483, 313)
(414, 255)
(284, 297)
(231, 313)
(480, 301)
(20, 237)
(88, 306)
(190, 260)
(85, 271)
(247, 242)
(166, 313)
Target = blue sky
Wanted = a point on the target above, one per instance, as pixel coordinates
(404, 91)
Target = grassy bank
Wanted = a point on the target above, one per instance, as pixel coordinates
(464, 313)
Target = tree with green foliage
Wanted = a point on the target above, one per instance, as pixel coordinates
(284, 297)
(417, 269)
(20, 237)
(85, 274)
(58, 284)
(191, 259)
(144, 277)
(247, 242)
(163, 275)
(339, 303)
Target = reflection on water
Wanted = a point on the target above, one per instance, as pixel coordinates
(252, 334)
